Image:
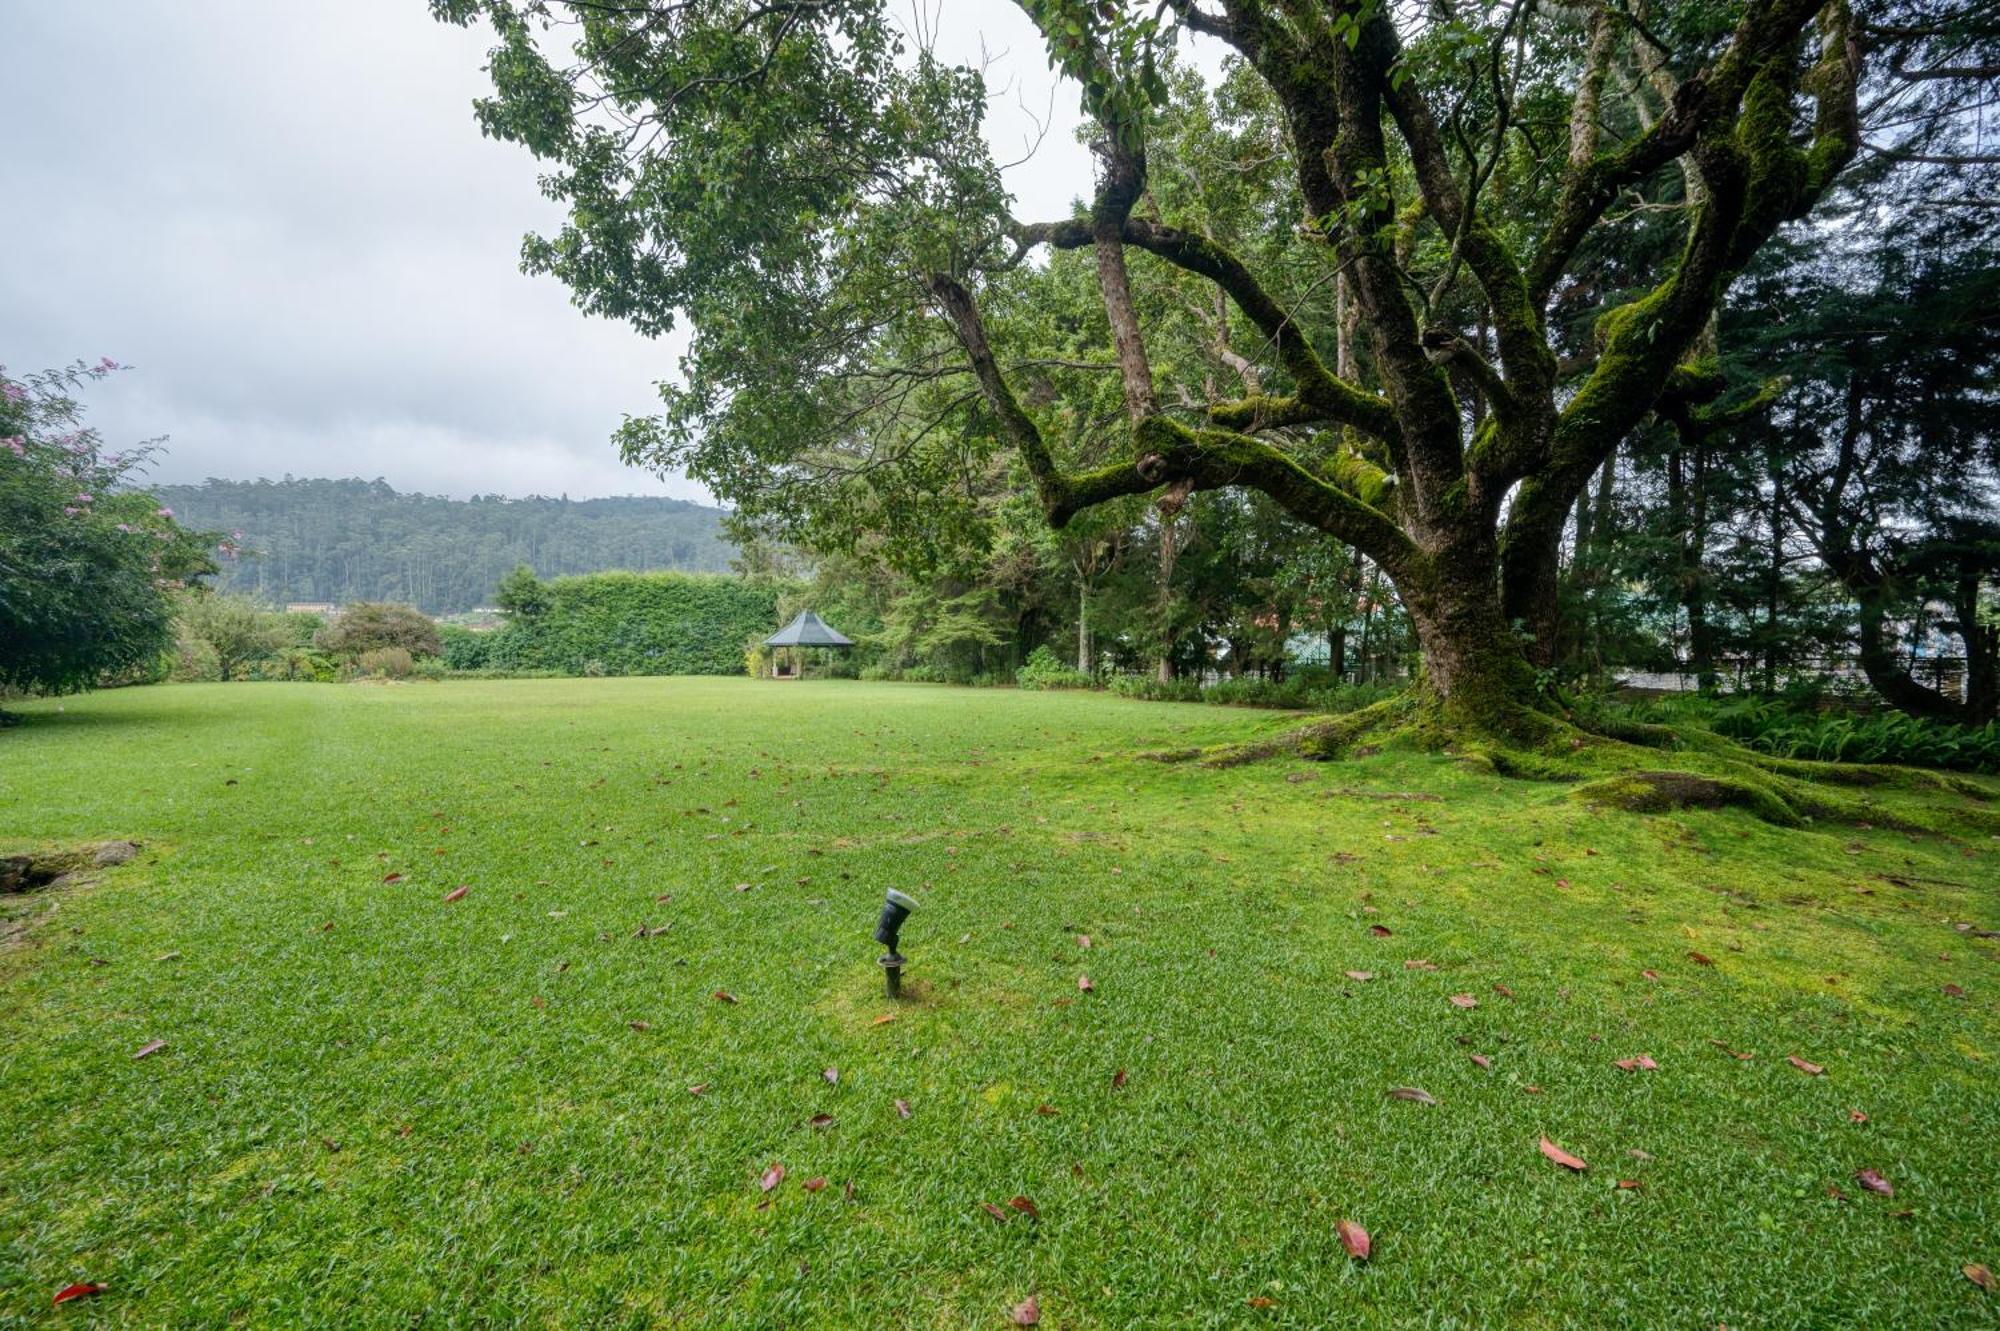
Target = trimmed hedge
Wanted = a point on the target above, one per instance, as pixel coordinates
(638, 624)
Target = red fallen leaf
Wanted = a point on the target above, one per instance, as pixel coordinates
(1810, 1069)
(994, 1211)
(1355, 1239)
(1024, 1206)
(1083, 940)
(832, 1076)
(882, 1020)
(457, 892)
(902, 1109)
(1503, 991)
(813, 1184)
(88, 1288)
(1872, 1180)
(1651, 975)
(1953, 991)
(150, 1047)
(640, 1025)
(723, 996)
(1261, 1301)
(1856, 1116)
(698, 1088)
(1464, 1001)
(1835, 1193)
(1630, 1184)
(821, 1120)
(1379, 930)
(1083, 984)
(1733, 1053)
(1046, 1111)
(1363, 976)
(1562, 882)
(1640, 1063)
(537, 1001)
(773, 1176)
(1532, 1090)
(1413, 1093)
(392, 878)
(1027, 1312)
(1562, 1157)
(1482, 1060)
(1118, 1079)
(1977, 1273)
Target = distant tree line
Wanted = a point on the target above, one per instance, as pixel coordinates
(336, 541)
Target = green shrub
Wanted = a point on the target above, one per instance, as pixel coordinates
(367, 626)
(639, 624)
(464, 649)
(386, 663)
(1044, 670)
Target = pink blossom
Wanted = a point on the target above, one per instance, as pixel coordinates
(70, 512)
(18, 444)
(107, 364)
(84, 498)
(12, 391)
(166, 512)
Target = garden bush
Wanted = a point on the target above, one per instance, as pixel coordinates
(1044, 670)
(464, 649)
(367, 626)
(638, 624)
(386, 663)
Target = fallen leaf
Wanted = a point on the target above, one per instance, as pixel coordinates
(1481, 1059)
(1733, 1053)
(1355, 1239)
(1503, 991)
(1872, 1180)
(640, 1025)
(882, 1020)
(1640, 1063)
(88, 1288)
(1562, 1157)
(1083, 984)
(1856, 1116)
(1361, 975)
(1979, 1275)
(1953, 991)
(1699, 960)
(1464, 1001)
(821, 1120)
(1118, 1079)
(832, 1076)
(902, 1109)
(1651, 975)
(150, 1047)
(1630, 1184)
(1046, 1111)
(698, 1088)
(392, 878)
(1261, 1301)
(1379, 930)
(1083, 940)
(1413, 1093)
(773, 1176)
(813, 1184)
(723, 996)
(1027, 1312)
(994, 1211)
(1420, 965)
(1810, 1069)
(1024, 1206)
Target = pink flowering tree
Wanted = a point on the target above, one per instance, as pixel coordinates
(89, 562)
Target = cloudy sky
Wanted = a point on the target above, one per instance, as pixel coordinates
(281, 213)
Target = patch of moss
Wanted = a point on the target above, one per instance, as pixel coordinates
(1664, 792)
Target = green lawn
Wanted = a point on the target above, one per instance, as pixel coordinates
(378, 1107)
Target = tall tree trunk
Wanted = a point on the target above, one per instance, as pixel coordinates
(1982, 653)
(1083, 661)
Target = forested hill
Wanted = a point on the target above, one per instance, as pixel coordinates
(324, 540)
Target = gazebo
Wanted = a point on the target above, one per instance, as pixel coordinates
(808, 630)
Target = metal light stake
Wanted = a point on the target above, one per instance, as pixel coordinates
(895, 909)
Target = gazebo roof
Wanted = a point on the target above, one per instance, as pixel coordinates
(808, 630)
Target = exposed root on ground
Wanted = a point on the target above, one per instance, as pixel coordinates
(1627, 765)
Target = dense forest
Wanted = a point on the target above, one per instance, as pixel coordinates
(348, 540)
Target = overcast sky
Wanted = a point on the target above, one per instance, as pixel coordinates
(281, 213)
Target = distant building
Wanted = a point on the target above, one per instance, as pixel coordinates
(321, 608)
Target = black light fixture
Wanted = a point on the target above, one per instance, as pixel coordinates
(895, 909)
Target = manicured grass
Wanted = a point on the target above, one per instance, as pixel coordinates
(375, 1107)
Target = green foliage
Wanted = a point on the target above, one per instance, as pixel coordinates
(88, 567)
(463, 649)
(1044, 670)
(336, 541)
(522, 595)
(367, 626)
(1883, 737)
(237, 632)
(639, 624)
(386, 663)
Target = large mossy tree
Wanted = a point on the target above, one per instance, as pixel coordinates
(811, 190)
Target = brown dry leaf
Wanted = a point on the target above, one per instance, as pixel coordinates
(1413, 1093)
(640, 1025)
(1810, 1069)
(832, 1076)
(1355, 1239)
(902, 1109)
(458, 892)
(1651, 975)
(1630, 1184)
(773, 1176)
(1361, 975)
(392, 878)
(1872, 1180)
(1046, 1111)
(1027, 1208)
(723, 996)
(1379, 930)
(698, 1088)
(1503, 991)
(994, 1211)
(1562, 1157)
(1482, 1060)
(1856, 1116)
(813, 1184)
(1464, 1001)
(1027, 1312)
(821, 1120)
(743, 887)
(1979, 1275)
(1699, 960)
(884, 1019)
(1733, 1053)
(1420, 965)
(1638, 1063)
(150, 1047)
(1083, 984)
(1083, 940)
(1118, 1079)
(1953, 991)
(1261, 1301)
